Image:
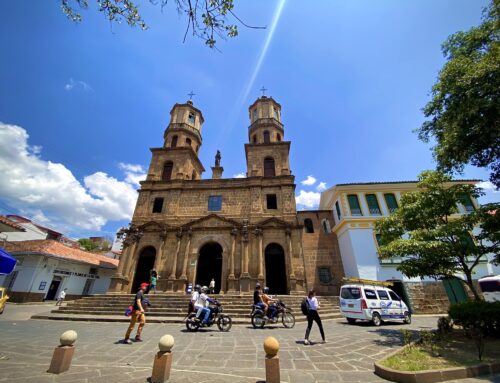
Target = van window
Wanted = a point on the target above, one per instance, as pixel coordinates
(383, 295)
(370, 294)
(489, 286)
(394, 296)
(350, 293)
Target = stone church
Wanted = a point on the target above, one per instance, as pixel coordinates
(239, 231)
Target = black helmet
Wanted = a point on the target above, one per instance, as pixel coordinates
(266, 290)
(197, 288)
(257, 285)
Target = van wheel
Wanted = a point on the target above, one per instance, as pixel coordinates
(407, 318)
(376, 319)
(351, 320)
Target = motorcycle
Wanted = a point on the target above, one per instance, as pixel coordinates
(224, 321)
(259, 319)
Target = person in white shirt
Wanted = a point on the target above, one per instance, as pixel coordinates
(61, 297)
(313, 305)
(212, 286)
(201, 305)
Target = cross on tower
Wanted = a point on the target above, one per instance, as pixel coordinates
(263, 90)
(191, 95)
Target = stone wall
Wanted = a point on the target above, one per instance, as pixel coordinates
(427, 297)
(321, 250)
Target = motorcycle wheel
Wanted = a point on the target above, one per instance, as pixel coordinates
(224, 323)
(288, 319)
(192, 324)
(258, 320)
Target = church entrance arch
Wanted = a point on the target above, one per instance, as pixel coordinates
(145, 264)
(275, 269)
(210, 265)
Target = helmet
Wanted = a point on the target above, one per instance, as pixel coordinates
(197, 288)
(257, 285)
(204, 289)
(266, 290)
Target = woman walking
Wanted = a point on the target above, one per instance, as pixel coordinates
(313, 305)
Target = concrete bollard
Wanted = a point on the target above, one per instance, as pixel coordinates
(163, 360)
(61, 359)
(271, 347)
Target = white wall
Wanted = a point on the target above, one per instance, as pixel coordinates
(32, 232)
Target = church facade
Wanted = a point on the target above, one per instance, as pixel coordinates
(239, 231)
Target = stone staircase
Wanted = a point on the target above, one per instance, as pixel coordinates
(170, 308)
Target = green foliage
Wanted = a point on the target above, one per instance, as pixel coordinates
(477, 315)
(432, 238)
(465, 108)
(87, 244)
(407, 337)
(444, 326)
(206, 19)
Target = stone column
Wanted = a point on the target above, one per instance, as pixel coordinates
(231, 286)
(259, 234)
(173, 276)
(159, 264)
(244, 277)
(291, 272)
(183, 277)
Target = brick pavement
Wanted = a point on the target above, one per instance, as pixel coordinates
(207, 356)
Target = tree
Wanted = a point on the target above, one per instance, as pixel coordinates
(87, 244)
(465, 106)
(207, 19)
(432, 238)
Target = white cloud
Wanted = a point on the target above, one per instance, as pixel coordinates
(307, 200)
(71, 84)
(321, 186)
(133, 173)
(240, 175)
(491, 193)
(50, 193)
(488, 186)
(310, 180)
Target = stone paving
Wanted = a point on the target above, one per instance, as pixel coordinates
(207, 356)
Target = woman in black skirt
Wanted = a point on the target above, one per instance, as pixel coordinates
(313, 305)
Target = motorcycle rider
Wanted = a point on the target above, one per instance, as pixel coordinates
(257, 297)
(266, 299)
(194, 297)
(201, 305)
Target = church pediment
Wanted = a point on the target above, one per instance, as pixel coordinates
(212, 221)
(152, 226)
(273, 222)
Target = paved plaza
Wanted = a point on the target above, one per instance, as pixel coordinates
(207, 356)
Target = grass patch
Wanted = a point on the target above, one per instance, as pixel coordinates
(456, 350)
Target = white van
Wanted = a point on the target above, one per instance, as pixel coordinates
(375, 303)
(490, 286)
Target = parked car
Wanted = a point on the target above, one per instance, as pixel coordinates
(3, 298)
(490, 286)
(372, 302)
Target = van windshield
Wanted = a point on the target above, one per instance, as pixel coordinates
(350, 293)
(489, 286)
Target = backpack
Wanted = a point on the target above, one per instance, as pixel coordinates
(304, 307)
(129, 310)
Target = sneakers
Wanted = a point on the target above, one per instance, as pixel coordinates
(306, 342)
(138, 339)
(126, 341)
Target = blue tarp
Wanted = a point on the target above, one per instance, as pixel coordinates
(7, 262)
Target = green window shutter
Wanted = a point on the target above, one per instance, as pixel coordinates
(337, 207)
(467, 202)
(373, 207)
(354, 204)
(392, 203)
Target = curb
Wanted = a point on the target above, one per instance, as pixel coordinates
(433, 376)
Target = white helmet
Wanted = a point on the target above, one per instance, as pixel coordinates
(204, 289)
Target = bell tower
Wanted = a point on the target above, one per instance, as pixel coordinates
(178, 158)
(266, 152)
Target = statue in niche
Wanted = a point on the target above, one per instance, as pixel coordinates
(217, 158)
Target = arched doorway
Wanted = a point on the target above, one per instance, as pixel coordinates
(276, 269)
(145, 264)
(210, 265)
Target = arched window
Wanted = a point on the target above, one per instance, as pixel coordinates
(197, 148)
(193, 176)
(254, 139)
(167, 171)
(173, 144)
(267, 139)
(188, 142)
(326, 226)
(278, 137)
(308, 225)
(269, 170)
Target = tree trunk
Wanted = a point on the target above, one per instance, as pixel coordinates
(470, 283)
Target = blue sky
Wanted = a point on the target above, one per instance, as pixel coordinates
(81, 104)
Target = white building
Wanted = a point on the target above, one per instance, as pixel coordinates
(356, 207)
(46, 267)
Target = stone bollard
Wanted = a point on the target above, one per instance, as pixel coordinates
(61, 359)
(163, 360)
(271, 347)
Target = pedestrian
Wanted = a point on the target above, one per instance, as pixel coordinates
(152, 285)
(61, 297)
(137, 315)
(212, 286)
(313, 315)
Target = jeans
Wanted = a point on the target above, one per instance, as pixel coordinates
(271, 311)
(206, 313)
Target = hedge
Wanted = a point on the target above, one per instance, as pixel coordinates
(478, 315)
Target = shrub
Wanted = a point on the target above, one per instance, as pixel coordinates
(477, 316)
(444, 325)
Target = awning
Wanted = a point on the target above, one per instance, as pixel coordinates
(7, 262)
